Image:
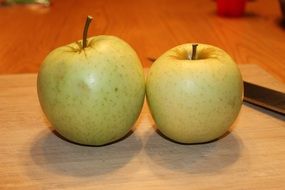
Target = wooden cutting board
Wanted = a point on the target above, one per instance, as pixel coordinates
(32, 156)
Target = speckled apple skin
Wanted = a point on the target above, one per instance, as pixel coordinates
(92, 96)
(194, 101)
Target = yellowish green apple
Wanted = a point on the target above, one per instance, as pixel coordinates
(194, 92)
(92, 91)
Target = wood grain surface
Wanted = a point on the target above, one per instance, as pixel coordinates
(28, 33)
(32, 156)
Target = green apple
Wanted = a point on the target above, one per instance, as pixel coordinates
(194, 93)
(92, 91)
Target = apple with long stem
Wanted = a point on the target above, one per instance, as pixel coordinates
(194, 92)
(92, 91)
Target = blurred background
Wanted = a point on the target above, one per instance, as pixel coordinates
(253, 33)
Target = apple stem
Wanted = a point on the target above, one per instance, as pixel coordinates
(194, 50)
(87, 23)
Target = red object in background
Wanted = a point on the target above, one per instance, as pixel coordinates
(231, 8)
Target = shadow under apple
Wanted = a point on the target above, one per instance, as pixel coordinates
(201, 158)
(56, 155)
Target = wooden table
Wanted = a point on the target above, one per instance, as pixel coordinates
(28, 33)
(251, 156)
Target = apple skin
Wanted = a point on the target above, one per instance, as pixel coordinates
(194, 101)
(92, 96)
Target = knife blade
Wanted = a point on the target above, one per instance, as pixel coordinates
(264, 97)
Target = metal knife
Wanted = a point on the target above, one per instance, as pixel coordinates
(264, 97)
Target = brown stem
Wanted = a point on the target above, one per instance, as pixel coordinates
(194, 50)
(87, 23)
